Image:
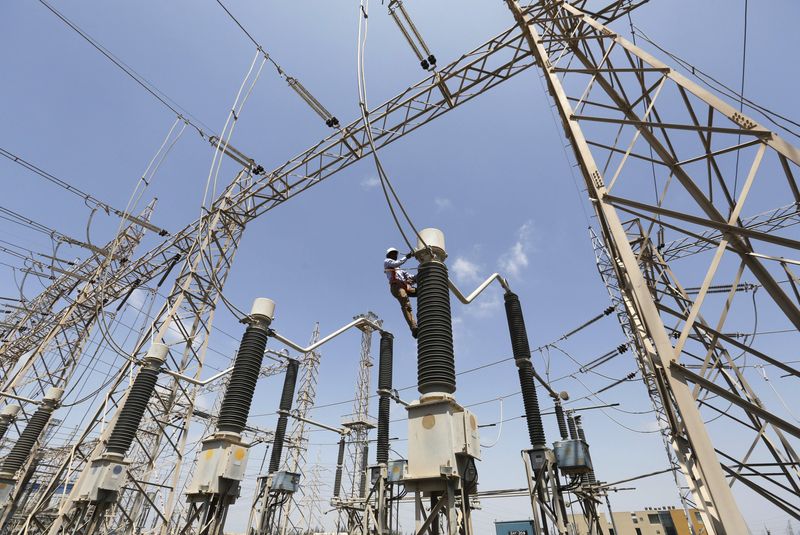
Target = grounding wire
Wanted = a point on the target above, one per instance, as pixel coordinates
(138, 78)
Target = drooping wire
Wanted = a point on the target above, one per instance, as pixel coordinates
(741, 97)
(386, 185)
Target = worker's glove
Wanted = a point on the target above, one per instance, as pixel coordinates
(410, 255)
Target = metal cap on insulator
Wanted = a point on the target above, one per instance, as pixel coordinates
(263, 308)
(430, 245)
(9, 411)
(157, 353)
(53, 394)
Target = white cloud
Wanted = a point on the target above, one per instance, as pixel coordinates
(370, 182)
(464, 270)
(486, 305)
(513, 261)
(443, 204)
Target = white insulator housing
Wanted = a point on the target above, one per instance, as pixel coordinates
(434, 239)
(157, 351)
(263, 307)
(54, 393)
(10, 411)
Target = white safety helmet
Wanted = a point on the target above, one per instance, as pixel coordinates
(391, 250)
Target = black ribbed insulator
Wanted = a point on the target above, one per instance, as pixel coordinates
(4, 425)
(384, 386)
(130, 415)
(337, 480)
(573, 431)
(562, 422)
(436, 367)
(27, 439)
(589, 476)
(522, 356)
(364, 470)
(242, 386)
(287, 395)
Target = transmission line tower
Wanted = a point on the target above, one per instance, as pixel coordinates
(360, 423)
(627, 116)
(49, 366)
(294, 514)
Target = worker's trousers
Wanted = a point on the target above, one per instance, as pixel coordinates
(402, 294)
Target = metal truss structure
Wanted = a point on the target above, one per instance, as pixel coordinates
(294, 515)
(59, 345)
(633, 123)
(629, 116)
(360, 423)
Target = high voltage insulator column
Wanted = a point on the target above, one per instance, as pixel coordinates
(443, 441)
(222, 461)
(279, 485)
(540, 462)
(380, 473)
(14, 469)
(99, 485)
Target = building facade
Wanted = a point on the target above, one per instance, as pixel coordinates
(650, 521)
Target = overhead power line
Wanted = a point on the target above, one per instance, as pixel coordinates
(294, 83)
(90, 200)
(148, 86)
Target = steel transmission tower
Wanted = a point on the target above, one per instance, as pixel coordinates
(206, 248)
(629, 117)
(360, 423)
(294, 513)
(43, 372)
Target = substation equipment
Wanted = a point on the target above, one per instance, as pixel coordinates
(561, 38)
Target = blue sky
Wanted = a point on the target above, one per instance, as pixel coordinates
(492, 175)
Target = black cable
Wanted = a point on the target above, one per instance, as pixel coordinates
(138, 78)
(741, 99)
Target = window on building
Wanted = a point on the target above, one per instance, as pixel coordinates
(638, 531)
(653, 518)
(697, 517)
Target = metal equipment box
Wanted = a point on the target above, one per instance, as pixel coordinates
(285, 481)
(396, 471)
(465, 429)
(105, 477)
(218, 459)
(572, 456)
